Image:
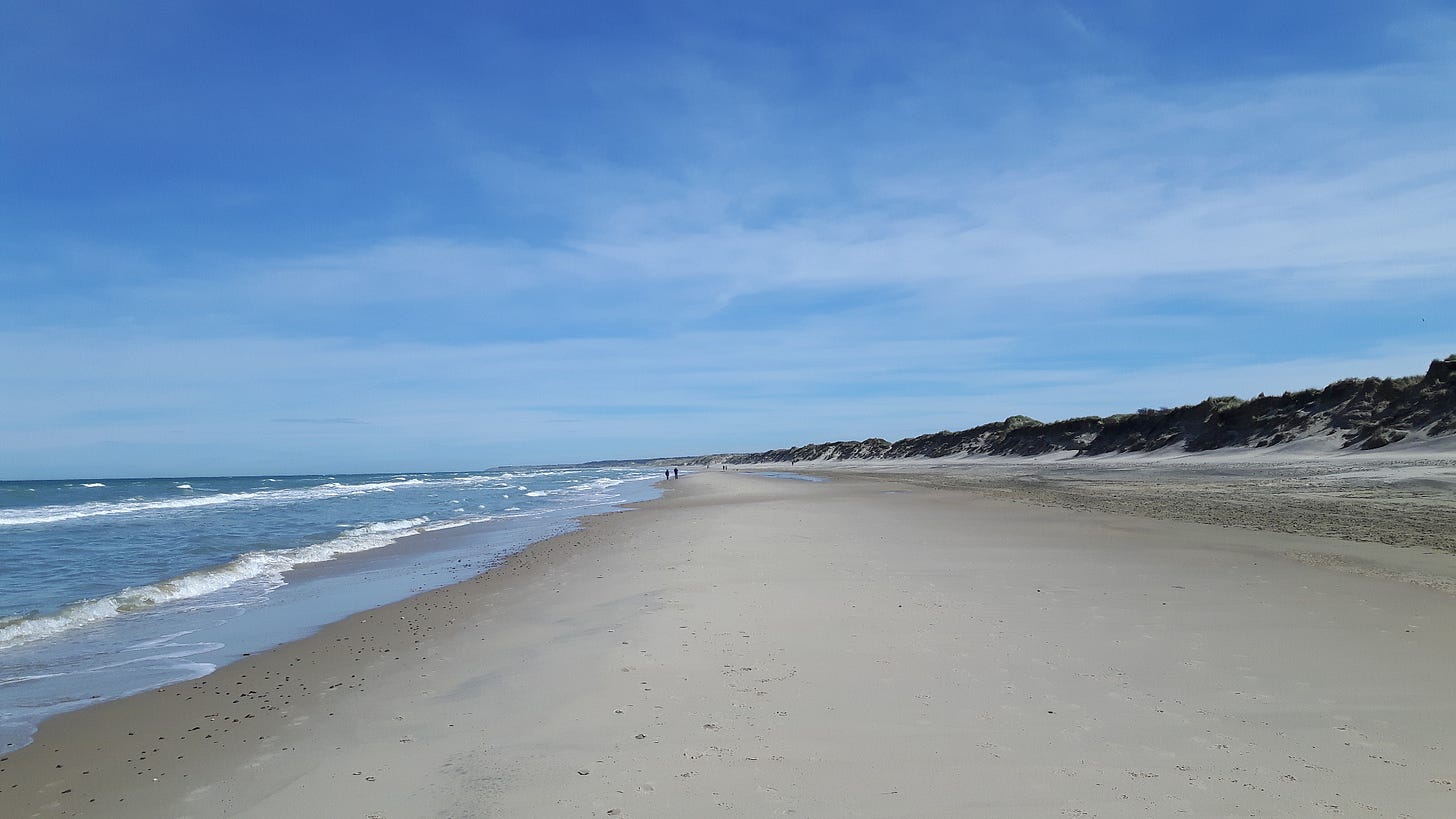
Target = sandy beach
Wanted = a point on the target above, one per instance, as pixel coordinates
(886, 645)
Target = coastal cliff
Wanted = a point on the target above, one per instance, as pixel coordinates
(1360, 413)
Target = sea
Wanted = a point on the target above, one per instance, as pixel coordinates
(109, 587)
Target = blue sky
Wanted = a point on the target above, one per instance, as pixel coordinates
(304, 237)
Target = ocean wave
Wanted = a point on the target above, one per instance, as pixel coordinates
(179, 652)
(576, 488)
(516, 476)
(29, 678)
(157, 641)
(134, 506)
(264, 567)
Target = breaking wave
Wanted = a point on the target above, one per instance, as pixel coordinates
(57, 514)
(263, 566)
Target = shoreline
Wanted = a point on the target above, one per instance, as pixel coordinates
(864, 646)
(187, 593)
(223, 709)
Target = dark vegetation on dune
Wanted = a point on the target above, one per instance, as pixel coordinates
(1364, 413)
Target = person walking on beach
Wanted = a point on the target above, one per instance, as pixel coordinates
(674, 472)
(667, 474)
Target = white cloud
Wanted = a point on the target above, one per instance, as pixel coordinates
(412, 405)
(1319, 176)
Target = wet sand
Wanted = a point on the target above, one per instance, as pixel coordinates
(869, 646)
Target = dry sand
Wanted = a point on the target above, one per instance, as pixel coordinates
(1371, 497)
(756, 647)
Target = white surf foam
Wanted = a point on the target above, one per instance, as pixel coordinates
(57, 514)
(262, 567)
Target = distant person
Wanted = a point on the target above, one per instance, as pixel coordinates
(674, 472)
(667, 474)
